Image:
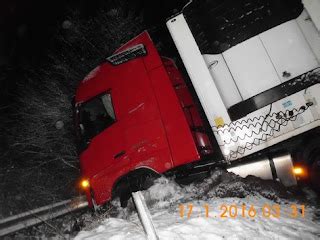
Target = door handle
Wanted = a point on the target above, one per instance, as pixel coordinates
(119, 154)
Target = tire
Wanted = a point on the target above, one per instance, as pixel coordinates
(307, 155)
(136, 181)
(124, 198)
(314, 170)
(311, 158)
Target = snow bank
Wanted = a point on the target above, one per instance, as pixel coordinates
(166, 198)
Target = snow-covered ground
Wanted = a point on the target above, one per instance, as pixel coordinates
(272, 215)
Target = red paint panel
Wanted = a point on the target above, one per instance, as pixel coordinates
(183, 148)
(189, 108)
(144, 141)
(105, 180)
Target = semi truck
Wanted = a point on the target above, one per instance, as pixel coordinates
(244, 97)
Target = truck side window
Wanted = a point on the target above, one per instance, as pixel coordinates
(95, 115)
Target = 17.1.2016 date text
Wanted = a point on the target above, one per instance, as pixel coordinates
(244, 211)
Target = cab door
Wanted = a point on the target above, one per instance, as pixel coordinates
(102, 134)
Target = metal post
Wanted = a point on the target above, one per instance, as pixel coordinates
(144, 215)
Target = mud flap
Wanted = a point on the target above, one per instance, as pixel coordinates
(278, 168)
(284, 170)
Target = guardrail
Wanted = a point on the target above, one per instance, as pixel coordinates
(33, 217)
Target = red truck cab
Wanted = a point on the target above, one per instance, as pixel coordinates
(135, 117)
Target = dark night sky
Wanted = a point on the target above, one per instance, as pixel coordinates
(26, 30)
(26, 27)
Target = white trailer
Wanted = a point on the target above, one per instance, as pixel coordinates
(258, 82)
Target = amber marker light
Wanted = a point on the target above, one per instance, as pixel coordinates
(85, 183)
(298, 171)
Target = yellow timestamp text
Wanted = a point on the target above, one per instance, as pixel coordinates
(243, 211)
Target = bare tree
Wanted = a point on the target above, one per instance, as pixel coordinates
(39, 163)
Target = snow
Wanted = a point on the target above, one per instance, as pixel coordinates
(66, 24)
(165, 197)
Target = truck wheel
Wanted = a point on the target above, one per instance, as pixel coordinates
(314, 171)
(138, 180)
(308, 155)
(124, 198)
(311, 157)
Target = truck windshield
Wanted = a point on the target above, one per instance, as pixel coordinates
(95, 115)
